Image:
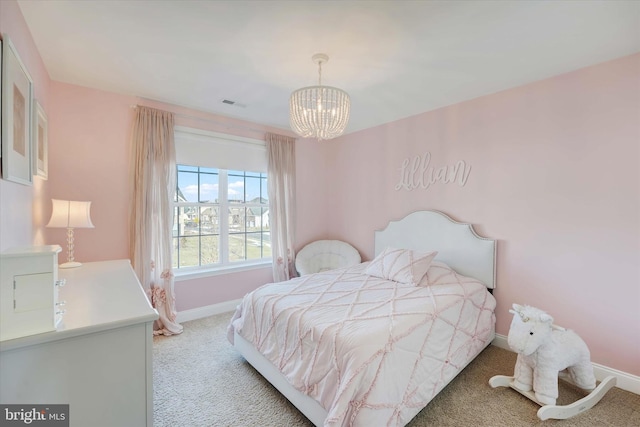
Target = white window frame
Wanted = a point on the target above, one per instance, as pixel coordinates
(250, 150)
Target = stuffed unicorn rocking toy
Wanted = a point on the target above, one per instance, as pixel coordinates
(545, 351)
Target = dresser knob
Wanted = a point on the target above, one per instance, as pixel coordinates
(61, 312)
(61, 303)
(60, 283)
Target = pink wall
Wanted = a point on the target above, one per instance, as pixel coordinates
(89, 160)
(21, 207)
(314, 194)
(555, 177)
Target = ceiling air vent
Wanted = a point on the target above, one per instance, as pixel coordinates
(234, 103)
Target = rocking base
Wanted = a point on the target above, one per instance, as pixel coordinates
(554, 411)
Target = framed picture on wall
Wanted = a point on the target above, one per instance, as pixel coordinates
(17, 129)
(40, 141)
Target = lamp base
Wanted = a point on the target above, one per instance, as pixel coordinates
(72, 264)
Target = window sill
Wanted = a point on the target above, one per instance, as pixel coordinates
(197, 273)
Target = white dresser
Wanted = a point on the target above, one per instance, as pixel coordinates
(99, 360)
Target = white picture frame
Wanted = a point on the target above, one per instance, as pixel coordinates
(40, 141)
(17, 111)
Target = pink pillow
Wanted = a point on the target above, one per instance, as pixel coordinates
(401, 265)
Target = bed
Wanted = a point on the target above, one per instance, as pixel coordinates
(365, 346)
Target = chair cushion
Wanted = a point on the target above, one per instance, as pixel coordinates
(323, 255)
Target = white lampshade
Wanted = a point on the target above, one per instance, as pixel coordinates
(70, 214)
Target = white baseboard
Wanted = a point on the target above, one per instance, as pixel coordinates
(209, 310)
(624, 380)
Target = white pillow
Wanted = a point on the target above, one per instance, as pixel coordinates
(401, 265)
(438, 272)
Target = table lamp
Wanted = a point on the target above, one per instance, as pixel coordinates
(70, 214)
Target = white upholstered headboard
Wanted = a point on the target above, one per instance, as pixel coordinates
(458, 245)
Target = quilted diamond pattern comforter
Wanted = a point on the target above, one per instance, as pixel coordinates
(371, 351)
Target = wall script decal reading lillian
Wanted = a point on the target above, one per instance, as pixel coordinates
(418, 173)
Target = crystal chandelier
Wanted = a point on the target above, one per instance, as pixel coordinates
(320, 112)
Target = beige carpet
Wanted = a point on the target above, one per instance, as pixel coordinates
(199, 380)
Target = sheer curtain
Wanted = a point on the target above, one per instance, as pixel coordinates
(281, 155)
(153, 183)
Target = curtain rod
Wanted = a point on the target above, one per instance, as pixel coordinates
(226, 125)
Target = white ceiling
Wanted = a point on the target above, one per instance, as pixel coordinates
(395, 58)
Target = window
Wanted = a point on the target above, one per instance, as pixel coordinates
(221, 216)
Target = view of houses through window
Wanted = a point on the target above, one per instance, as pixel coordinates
(220, 217)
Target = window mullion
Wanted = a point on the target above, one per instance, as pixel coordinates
(199, 223)
(224, 216)
(189, 253)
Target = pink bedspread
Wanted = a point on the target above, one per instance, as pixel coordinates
(372, 352)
